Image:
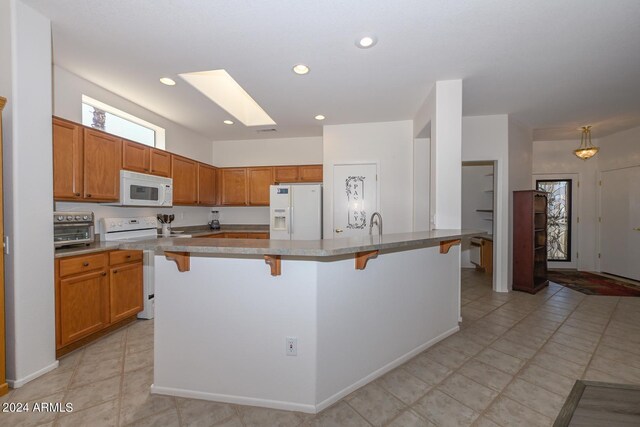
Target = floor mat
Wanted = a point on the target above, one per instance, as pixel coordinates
(595, 404)
(593, 284)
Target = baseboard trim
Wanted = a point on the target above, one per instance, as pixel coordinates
(22, 381)
(383, 370)
(238, 400)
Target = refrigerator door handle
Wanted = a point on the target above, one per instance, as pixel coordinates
(291, 221)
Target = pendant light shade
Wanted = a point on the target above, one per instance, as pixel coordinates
(586, 150)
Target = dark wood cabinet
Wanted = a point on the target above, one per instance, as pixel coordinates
(260, 180)
(529, 241)
(233, 186)
(206, 185)
(101, 166)
(184, 172)
(136, 157)
(94, 294)
(67, 160)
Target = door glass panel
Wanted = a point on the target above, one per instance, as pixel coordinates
(559, 218)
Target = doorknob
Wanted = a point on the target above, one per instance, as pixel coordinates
(637, 229)
(339, 230)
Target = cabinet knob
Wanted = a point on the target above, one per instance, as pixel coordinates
(128, 256)
(88, 195)
(85, 264)
(104, 273)
(115, 271)
(77, 194)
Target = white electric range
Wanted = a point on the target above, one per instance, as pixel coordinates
(137, 228)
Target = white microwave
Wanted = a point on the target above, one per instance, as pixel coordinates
(139, 189)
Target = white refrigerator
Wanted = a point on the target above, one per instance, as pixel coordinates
(295, 212)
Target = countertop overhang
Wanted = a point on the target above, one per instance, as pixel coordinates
(306, 248)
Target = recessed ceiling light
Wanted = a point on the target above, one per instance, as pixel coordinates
(167, 81)
(366, 42)
(300, 69)
(320, 117)
(228, 122)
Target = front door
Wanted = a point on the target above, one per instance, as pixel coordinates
(355, 198)
(562, 222)
(620, 222)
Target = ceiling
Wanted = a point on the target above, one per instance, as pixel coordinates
(553, 65)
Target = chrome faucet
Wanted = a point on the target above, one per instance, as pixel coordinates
(378, 222)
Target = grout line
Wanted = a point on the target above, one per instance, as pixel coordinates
(600, 340)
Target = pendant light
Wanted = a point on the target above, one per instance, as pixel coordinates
(586, 150)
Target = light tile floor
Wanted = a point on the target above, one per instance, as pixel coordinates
(513, 363)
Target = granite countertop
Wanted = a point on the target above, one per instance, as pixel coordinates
(314, 248)
(96, 246)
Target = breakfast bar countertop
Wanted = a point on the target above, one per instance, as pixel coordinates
(310, 248)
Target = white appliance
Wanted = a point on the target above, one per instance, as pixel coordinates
(136, 228)
(139, 189)
(295, 212)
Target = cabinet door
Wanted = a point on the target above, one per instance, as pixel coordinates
(285, 173)
(67, 160)
(206, 185)
(125, 291)
(83, 305)
(185, 180)
(233, 187)
(310, 173)
(160, 163)
(259, 181)
(135, 157)
(102, 160)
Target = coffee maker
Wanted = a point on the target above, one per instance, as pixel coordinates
(215, 222)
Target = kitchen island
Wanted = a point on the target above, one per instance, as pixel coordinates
(297, 325)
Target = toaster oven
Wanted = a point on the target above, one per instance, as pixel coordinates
(73, 228)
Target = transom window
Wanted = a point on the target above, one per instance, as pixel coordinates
(101, 116)
(558, 218)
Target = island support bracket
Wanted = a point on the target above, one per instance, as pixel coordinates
(274, 262)
(363, 257)
(445, 245)
(181, 259)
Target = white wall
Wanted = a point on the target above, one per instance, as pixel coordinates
(476, 181)
(619, 150)
(268, 152)
(520, 169)
(28, 183)
(557, 158)
(67, 103)
(486, 138)
(421, 183)
(262, 152)
(390, 144)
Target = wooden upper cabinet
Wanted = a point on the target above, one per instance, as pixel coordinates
(285, 173)
(233, 186)
(67, 160)
(259, 181)
(102, 161)
(160, 163)
(206, 185)
(310, 173)
(136, 157)
(185, 180)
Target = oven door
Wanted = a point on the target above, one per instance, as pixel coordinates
(72, 234)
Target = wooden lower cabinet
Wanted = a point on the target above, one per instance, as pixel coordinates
(83, 305)
(95, 292)
(125, 291)
(238, 236)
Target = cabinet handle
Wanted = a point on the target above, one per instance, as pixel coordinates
(85, 264)
(77, 194)
(115, 271)
(104, 273)
(88, 195)
(128, 256)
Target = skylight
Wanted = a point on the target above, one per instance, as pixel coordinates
(221, 88)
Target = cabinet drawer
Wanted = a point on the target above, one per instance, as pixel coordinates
(120, 257)
(69, 266)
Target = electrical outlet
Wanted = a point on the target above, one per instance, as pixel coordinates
(292, 346)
